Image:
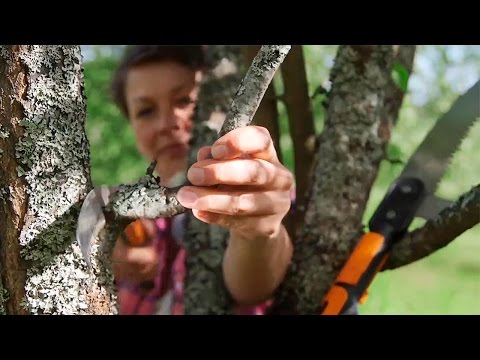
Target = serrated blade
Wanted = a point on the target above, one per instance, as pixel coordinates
(91, 219)
(432, 157)
(431, 207)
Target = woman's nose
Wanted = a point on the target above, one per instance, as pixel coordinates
(167, 121)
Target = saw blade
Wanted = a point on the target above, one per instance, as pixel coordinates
(432, 157)
(431, 207)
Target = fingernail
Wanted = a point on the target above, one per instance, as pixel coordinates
(219, 151)
(187, 198)
(196, 176)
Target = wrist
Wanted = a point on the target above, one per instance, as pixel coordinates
(254, 266)
(255, 240)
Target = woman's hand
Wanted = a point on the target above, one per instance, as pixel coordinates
(246, 189)
(136, 263)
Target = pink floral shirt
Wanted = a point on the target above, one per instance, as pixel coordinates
(166, 296)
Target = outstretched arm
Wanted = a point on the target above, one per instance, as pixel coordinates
(246, 189)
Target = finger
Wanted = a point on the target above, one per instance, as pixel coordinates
(256, 172)
(249, 226)
(250, 140)
(234, 202)
(203, 153)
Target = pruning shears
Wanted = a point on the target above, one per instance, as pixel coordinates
(410, 195)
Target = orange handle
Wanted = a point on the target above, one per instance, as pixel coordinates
(358, 272)
(136, 235)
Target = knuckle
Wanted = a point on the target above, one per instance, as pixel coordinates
(265, 136)
(288, 179)
(262, 129)
(244, 203)
(217, 174)
(255, 172)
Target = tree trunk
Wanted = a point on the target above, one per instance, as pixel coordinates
(344, 168)
(45, 174)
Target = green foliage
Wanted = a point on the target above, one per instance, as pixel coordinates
(114, 156)
(394, 152)
(400, 76)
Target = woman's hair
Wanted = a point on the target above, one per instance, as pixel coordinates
(192, 56)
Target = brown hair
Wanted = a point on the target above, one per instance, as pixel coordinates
(192, 56)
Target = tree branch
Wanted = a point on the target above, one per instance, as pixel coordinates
(300, 120)
(267, 112)
(439, 232)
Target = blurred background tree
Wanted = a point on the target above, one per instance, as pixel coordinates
(447, 282)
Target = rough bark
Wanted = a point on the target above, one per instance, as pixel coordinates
(42, 91)
(345, 166)
(438, 232)
(203, 262)
(267, 112)
(300, 119)
(13, 188)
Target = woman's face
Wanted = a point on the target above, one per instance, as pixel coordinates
(161, 99)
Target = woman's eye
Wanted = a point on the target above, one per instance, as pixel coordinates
(185, 101)
(144, 112)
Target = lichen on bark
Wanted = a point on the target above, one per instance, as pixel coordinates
(53, 159)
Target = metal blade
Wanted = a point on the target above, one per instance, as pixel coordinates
(91, 219)
(431, 207)
(432, 157)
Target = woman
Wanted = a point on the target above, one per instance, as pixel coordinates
(157, 87)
